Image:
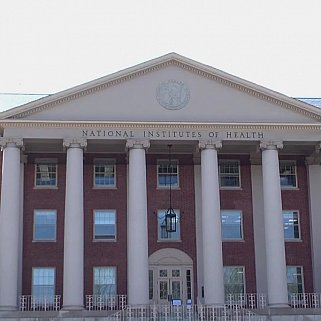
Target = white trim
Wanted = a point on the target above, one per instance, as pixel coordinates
(105, 161)
(34, 225)
(241, 225)
(94, 231)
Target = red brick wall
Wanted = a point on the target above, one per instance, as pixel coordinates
(110, 253)
(182, 199)
(299, 253)
(43, 254)
(241, 253)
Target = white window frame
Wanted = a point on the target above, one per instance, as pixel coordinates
(49, 297)
(42, 162)
(294, 283)
(104, 239)
(105, 162)
(221, 175)
(226, 284)
(171, 236)
(226, 212)
(100, 268)
(298, 225)
(35, 212)
(292, 162)
(174, 162)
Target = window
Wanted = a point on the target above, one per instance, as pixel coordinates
(104, 280)
(234, 280)
(45, 225)
(295, 279)
(150, 284)
(105, 173)
(288, 174)
(43, 284)
(229, 173)
(104, 224)
(231, 225)
(46, 173)
(167, 173)
(291, 225)
(162, 234)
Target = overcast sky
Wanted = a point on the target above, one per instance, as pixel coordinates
(51, 45)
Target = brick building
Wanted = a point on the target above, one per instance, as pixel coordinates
(89, 174)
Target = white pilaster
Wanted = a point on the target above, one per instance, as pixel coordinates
(273, 221)
(10, 212)
(73, 286)
(258, 224)
(314, 179)
(137, 236)
(211, 224)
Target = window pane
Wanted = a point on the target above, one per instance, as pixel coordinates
(288, 174)
(167, 173)
(291, 225)
(46, 174)
(231, 225)
(45, 225)
(104, 281)
(162, 234)
(229, 173)
(234, 280)
(295, 279)
(104, 224)
(105, 171)
(43, 284)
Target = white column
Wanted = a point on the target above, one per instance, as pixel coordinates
(10, 223)
(73, 286)
(211, 224)
(137, 236)
(23, 161)
(273, 221)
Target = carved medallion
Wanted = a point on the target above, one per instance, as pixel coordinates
(172, 94)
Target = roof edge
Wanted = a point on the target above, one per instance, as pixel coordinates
(153, 65)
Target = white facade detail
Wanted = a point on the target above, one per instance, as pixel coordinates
(211, 225)
(274, 235)
(74, 226)
(137, 224)
(10, 220)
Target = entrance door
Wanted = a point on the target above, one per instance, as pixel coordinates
(170, 285)
(170, 277)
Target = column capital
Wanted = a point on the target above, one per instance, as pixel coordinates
(137, 144)
(11, 142)
(210, 144)
(315, 157)
(75, 143)
(271, 145)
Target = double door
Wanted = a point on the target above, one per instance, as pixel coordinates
(170, 285)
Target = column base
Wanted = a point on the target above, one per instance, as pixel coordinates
(8, 308)
(72, 308)
(279, 305)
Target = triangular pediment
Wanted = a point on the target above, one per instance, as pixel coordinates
(170, 88)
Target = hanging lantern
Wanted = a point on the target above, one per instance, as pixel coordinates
(170, 216)
(170, 221)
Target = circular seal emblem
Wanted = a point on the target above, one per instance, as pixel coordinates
(172, 94)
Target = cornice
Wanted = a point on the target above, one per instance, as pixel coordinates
(181, 62)
(10, 123)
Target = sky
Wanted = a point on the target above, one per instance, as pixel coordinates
(47, 46)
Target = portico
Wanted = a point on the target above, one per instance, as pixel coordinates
(95, 171)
